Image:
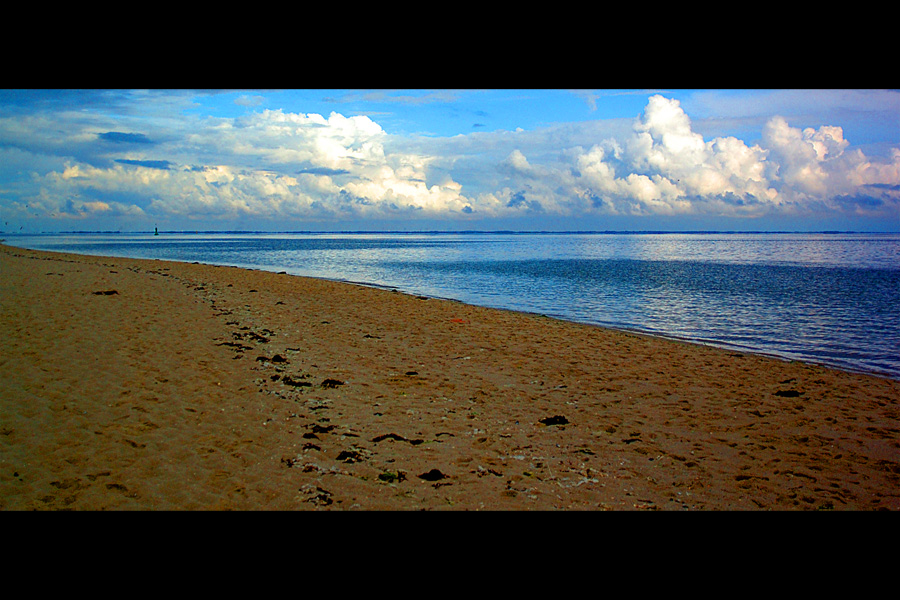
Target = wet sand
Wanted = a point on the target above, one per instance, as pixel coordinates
(150, 385)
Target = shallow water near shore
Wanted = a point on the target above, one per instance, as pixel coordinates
(825, 298)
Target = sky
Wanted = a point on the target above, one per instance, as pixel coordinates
(449, 160)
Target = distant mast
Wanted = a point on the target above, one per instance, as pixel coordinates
(155, 230)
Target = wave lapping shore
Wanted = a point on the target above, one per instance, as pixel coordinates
(130, 384)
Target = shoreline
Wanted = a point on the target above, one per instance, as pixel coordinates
(838, 363)
(203, 387)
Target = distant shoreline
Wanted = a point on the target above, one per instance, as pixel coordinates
(463, 232)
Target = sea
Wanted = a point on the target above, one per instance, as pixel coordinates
(829, 298)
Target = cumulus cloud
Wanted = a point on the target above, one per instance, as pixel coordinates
(665, 167)
(271, 165)
(291, 167)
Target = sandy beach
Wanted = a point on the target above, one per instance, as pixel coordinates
(149, 385)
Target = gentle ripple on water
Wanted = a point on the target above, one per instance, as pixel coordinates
(829, 298)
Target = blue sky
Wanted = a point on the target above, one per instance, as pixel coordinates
(442, 159)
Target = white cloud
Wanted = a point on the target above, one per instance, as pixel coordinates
(282, 166)
(665, 167)
(248, 100)
(275, 165)
(814, 166)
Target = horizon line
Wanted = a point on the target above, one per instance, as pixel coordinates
(436, 231)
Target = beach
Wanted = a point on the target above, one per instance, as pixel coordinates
(133, 384)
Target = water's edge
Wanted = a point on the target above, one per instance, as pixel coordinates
(787, 356)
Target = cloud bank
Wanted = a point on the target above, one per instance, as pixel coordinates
(292, 169)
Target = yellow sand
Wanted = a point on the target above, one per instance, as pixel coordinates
(169, 392)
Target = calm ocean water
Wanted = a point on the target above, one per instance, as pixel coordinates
(825, 298)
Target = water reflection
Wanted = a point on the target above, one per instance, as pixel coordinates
(825, 297)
